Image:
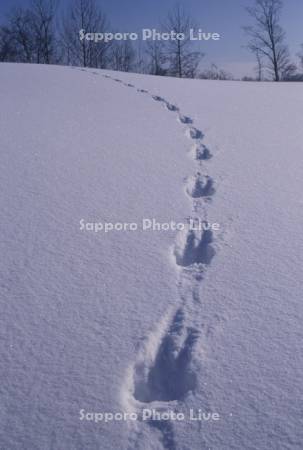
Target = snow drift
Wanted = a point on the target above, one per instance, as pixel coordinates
(174, 321)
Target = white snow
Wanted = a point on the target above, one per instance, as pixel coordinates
(124, 321)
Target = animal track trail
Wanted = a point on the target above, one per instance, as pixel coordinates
(163, 372)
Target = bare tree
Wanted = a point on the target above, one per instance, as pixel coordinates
(141, 63)
(300, 55)
(84, 15)
(156, 57)
(7, 48)
(214, 73)
(290, 73)
(123, 56)
(259, 68)
(267, 36)
(21, 35)
(183, 60)
(43, 23)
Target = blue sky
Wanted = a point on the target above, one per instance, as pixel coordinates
(223, 16)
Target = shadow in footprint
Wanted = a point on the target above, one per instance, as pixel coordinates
(166, 429)
(193, 247)
(170, 377)
(193, 133)
(171, 107)
(157, 98)
(185, 119)
(200, 186)
(201, 152)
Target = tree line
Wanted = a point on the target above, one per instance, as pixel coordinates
(45, 33)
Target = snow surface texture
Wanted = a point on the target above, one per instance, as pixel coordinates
(164, 320)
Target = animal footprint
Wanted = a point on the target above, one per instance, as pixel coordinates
(200, 186)
(171, 107)
(201, 152)
(157, 98)
(170, 375)
(193, 246)
(184, 119)
(193, 133)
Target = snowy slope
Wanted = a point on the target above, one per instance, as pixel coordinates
(130, 320)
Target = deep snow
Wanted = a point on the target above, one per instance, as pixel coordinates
(127, 320)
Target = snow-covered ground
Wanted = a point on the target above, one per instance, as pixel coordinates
(204, 322)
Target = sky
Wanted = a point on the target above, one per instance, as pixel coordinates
(217, 16)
